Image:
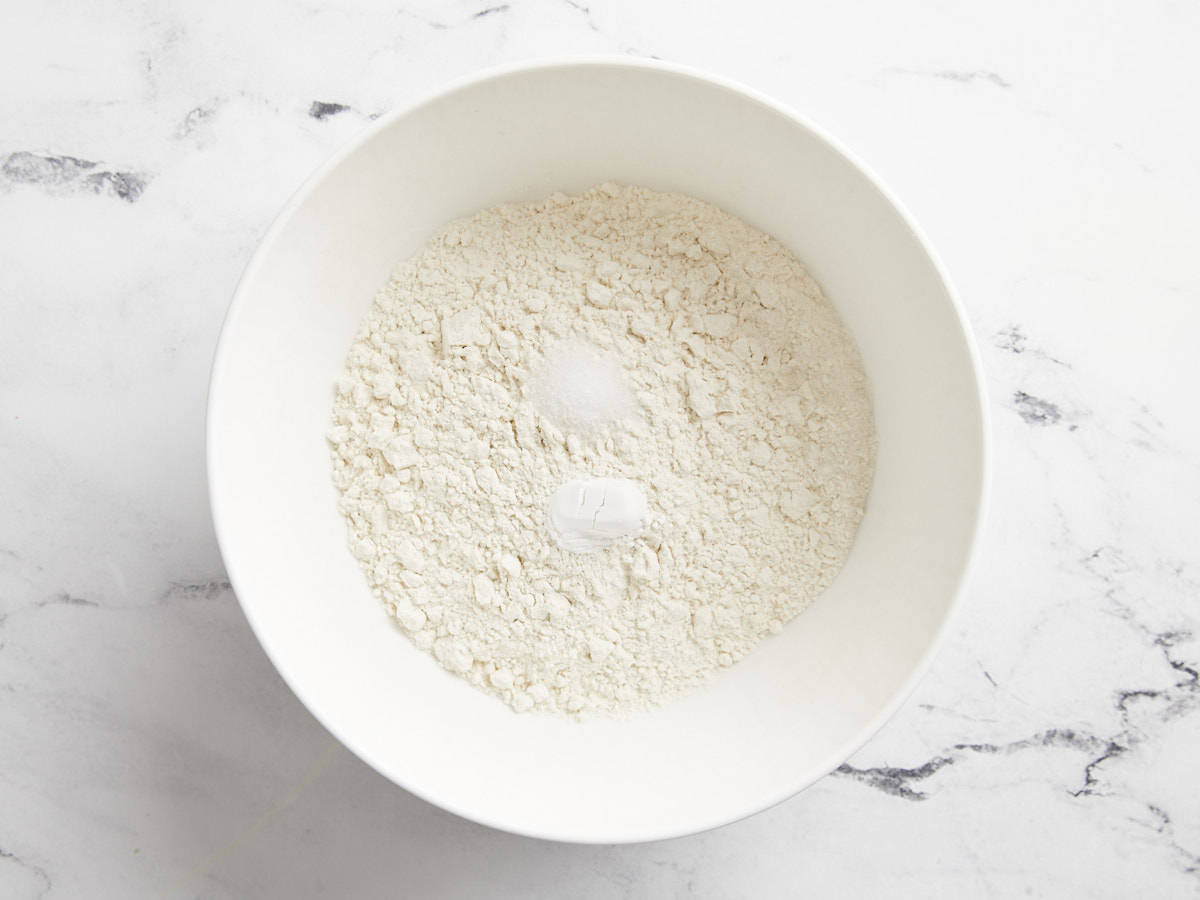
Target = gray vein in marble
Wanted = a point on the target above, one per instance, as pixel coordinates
(685, 875)
(439, 25)
(968, 77)
(37, 871)
(1148, 430)
(1054, 737)
(1146, 170)
(626, 49)
(69, 174)
(190, 589)
(65, 599)
(1034, 410)
(1110, 567)
(1014, 340)
(897, 781)
(322, 109)
(60, 599)
(491, 10)
(1123, 697)
(1166, 642)
(956, 713)
(1166, 828)
(194, 119)
(961, 76)
(587, 14)
(1111, 751)
(894, 780)
(176, 590)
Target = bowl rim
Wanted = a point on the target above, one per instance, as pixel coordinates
(466, 82)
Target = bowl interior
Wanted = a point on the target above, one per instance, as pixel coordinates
(795, 707)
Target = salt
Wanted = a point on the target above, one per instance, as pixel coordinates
(580, 389)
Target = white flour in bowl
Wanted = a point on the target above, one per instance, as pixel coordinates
(713, 378)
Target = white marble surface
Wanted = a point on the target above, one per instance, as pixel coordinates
(147, 747)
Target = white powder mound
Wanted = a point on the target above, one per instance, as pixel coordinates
(752, 440)
(580, 389)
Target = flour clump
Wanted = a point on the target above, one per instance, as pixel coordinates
(619, 339)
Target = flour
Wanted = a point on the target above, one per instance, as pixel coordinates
(749, 431)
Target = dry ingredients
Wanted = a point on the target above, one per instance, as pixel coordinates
(619, 336)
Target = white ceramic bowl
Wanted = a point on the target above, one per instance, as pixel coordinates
(800, 703)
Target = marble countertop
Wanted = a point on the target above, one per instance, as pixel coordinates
(147, 747)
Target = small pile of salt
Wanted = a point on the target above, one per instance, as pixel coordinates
(580, 389)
